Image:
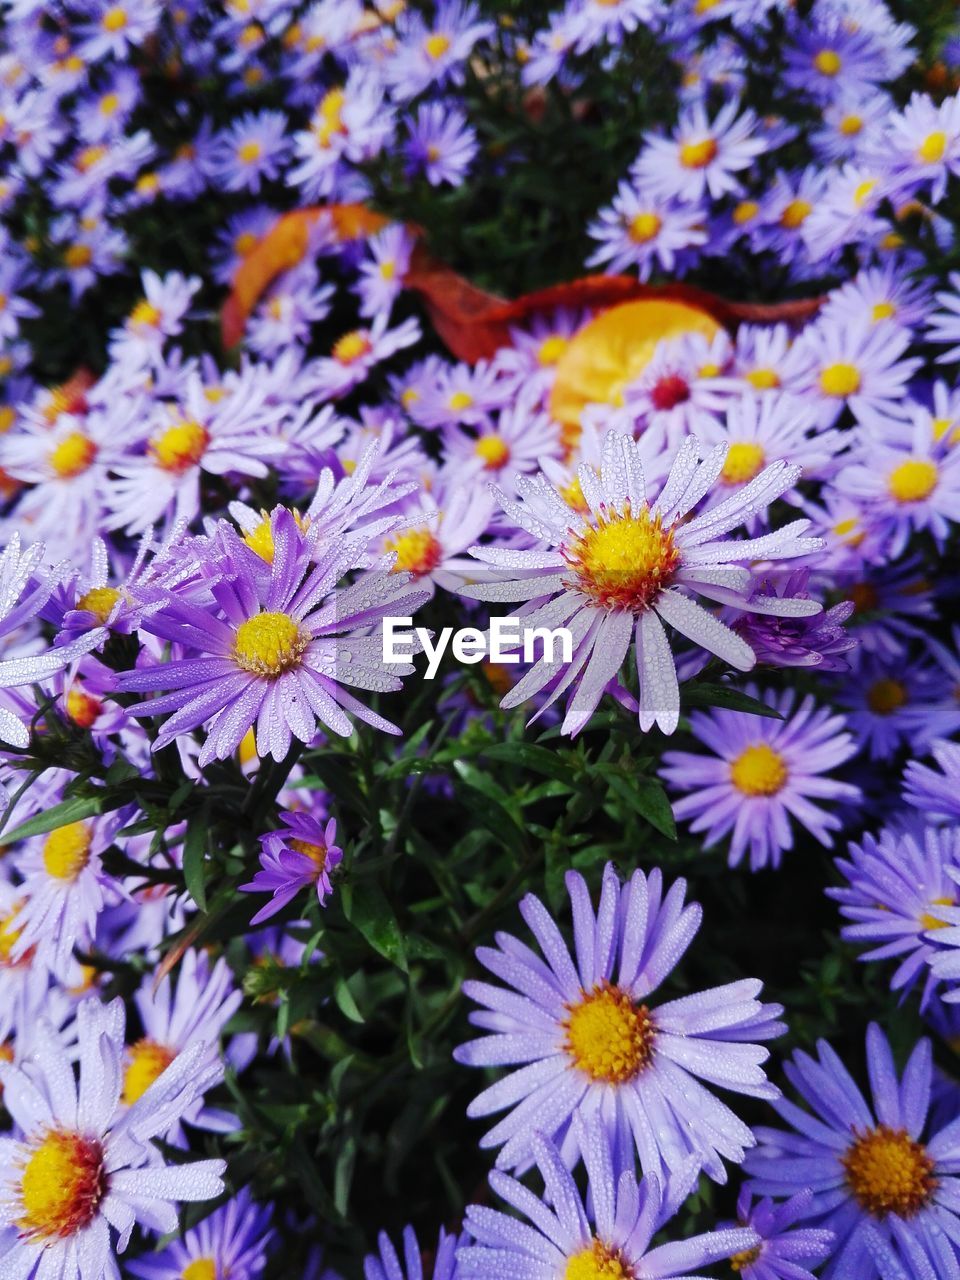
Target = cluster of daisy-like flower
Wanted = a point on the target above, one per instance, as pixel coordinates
(200, 548)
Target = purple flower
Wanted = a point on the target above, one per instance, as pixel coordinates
(897, 887)
(386, 1265)
(607, 1233)
(80, 1170)
(441, 145)
(761, 773)
(817, 641)
(887, 1191)
(275, 647)
(785, 1251)
(585, 1042)
(614, 574)
(234, 1239)
(937, 794)
(301, 854)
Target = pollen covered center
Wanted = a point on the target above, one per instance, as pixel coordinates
(317, 853)
(418, 552)
(180, 447)
(889, 1172)
(598, 1261)
(886, 696)
(745, 1258)
(200, 1269)
(624, 561)
(63, 1182)
(66, 851)
(73, 455)
(744, 460)
(759, 771)
(644, 227)
(492, 451)
(913, 480)
(840, 380)
(268, 644)
(99, 601)
(697, 155)
(608, 1036)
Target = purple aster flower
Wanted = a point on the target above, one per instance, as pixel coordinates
(441, 145)
(25, 588)
(275, 648)
(828, 54)
(857, 365)
(763, 772)
(878, 1182)
(386, 1265)
(351, 123)
(434, 52)
(818, 641)
(880, 296)
(924, 142)
(608, 1233)
(615, 573)
(586, 1043)
(250, 151)
(642, 231)
(888, 703)
(382, 274)
(176, 1019)
(702, 156)
(785, 1251)
(80, 1173)
(897, 887)
(936, 794)
(232, 1242)
(117, 26)
(301, 854)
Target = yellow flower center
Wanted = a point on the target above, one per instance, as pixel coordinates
(551, 349)
(892, 241)
(759, 771)
(73, 455)
(145, 315)
(8, 416)
(608, 1036)
(744, 461)
(492, 451)
(146, 1062)
(66, 851)
(249, 151)
(597, 1262)
(99, 601)
(180, 447)
(109, 103)
(795, 214)
(745, 212)
(418, 552)
(82, 707)
(78, 255)
(460, 400)
(317, 853)
(388, 269)
(644, 227)
(147, 184)
(851, 125)
(882, 311)
(763, 379)
(886, 696)
(436, 45)
(863, 191)
(90, 156)
(200, 1269)
(849, 531)
(746, 1258)
(247, 751)
(268, 644)
(889, 1172)
(245, 243)
(913, 480)
(351, 347)
(115, 19)
(9, 936)
(828, 62)
(697, 155)
(624, 561)
(932, 148)
(930, 921)
(61, 1186)
(840, 380)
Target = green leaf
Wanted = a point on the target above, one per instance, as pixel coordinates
(61, 815)
(368, 911)
(721, 695)
(345, 1001)
(194, 854)
(526, 755)
(647, 797)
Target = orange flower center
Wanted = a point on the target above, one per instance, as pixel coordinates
(61, 1186)
(608, 1036)
(889, 1172)
(624, 561)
